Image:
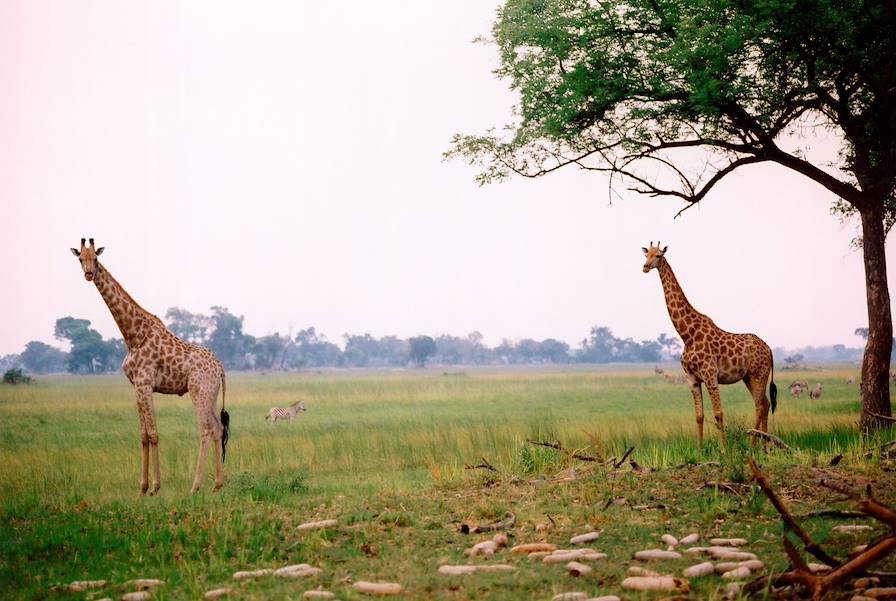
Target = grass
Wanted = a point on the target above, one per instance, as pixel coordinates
(385, 453)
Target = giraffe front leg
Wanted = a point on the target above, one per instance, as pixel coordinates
(143, 400)
(713, 389)
(203, 449)
(697, 393)
(153, 437)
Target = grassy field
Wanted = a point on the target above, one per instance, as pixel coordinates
(384, 452)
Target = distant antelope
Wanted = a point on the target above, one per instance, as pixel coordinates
(796, 389)
(815, 393)
(288, 414)
(657, 371)
(850, 380)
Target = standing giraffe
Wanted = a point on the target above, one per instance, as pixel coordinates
(713, 356)
(158, 361)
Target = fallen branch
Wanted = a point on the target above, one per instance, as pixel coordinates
(844, 514)
(769, 438)
(789, 522)
(508, 522)
(484, 465)
(559, 447)
(624, 457)
(888, 418)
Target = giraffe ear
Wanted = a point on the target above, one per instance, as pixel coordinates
(100, 250)
(75, 252)
(642, 248)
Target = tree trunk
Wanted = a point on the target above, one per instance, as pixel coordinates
(876, 363)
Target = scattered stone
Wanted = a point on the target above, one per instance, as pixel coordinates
(696, 550)
(859, 549)
(564, 555)
(861, 598)
(817, 568)
(471, 569)
(881, 593)
(604, 598)
(378, 588)
(316, 525)
(669, 540)
(752, 564)
(143, 583)
(570, 597)
(533, 547)
(866, 582)
(732, 589)
(701, 569)
(652, 554)
(135, 596)
(639, 571)
(538, 554)
(500, 539)
(725, 566)
(252, 574)
(217, 593)
(730, 542)
(318, 595)
(486, 547)
(79, 586)
(851, 528)
(656, 583)
(736, 573)
(302, 570)
(690, 539)
(578, 569)
(581, 539)
(728, 553)
(541, 528)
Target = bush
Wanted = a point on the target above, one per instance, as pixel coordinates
(15, 376)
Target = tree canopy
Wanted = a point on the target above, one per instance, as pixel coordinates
(670, 96)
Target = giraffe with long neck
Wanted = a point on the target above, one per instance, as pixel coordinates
(712, 356)
(158, 361)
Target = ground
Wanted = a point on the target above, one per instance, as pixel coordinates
(384, 454)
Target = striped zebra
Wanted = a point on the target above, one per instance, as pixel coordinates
(290, 412)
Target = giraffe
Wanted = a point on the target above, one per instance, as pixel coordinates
(713, 356)
(158, 361)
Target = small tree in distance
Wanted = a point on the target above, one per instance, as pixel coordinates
(634, 88)
(422, 348)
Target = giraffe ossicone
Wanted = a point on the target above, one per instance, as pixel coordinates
(712, 356)
(158, 361)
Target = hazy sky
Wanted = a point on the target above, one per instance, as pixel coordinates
(284, 160)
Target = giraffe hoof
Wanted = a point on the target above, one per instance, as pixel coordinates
(143, 489)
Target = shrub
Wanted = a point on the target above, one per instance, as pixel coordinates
(15, 376)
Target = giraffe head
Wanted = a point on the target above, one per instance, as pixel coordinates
(87, 256)
(653, 255)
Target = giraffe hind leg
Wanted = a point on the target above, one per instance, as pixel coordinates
(697, 394)
(713, 389)
(143, 394)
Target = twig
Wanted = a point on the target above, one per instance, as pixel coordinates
(769, 438)
(484, 465)
(559, 447)
(508, 521)
(624, 457)
(789, 522)
(888, 418)
(845, 514)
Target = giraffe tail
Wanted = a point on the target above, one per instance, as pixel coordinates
(225, 419)
(772, 389)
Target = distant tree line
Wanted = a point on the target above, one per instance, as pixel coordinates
(222, 332)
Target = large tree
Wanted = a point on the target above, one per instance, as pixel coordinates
(642, 89)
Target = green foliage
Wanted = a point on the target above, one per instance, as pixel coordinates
(89, 352)
(15, 376)
(40, 357)
(422, 348)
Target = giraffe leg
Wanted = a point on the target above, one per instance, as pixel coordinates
(697, 393)
(712, 387)
(203, 406)
(144, 400)
(153, 436)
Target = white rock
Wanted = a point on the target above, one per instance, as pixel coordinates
(669, 540)
(604, 598)
(500, 539)
(217, 593)
(730, 542)
(79, 586)
(317, 524)
(732, 589)
(570, 597)
(486, 547)
(696, 550)
(135, 596)
(729, 553)
(655, 583)
(639, 571)
(651, 554)
(690, 539)
(378, 588)
(726, 566)
(816, 568)
(752, 564)
(851, 528)
(252, 574)
(581, 539)
(736, 573)
(143, 583)
(701, 569)
(533, 547)
(306, 572)
(578, 569)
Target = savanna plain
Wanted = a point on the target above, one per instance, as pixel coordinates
(386, 455)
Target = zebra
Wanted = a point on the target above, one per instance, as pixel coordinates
(290, 412)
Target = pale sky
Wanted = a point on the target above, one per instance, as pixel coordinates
(283, 159)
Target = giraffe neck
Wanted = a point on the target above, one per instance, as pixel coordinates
(684, 316)
(132, 319)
